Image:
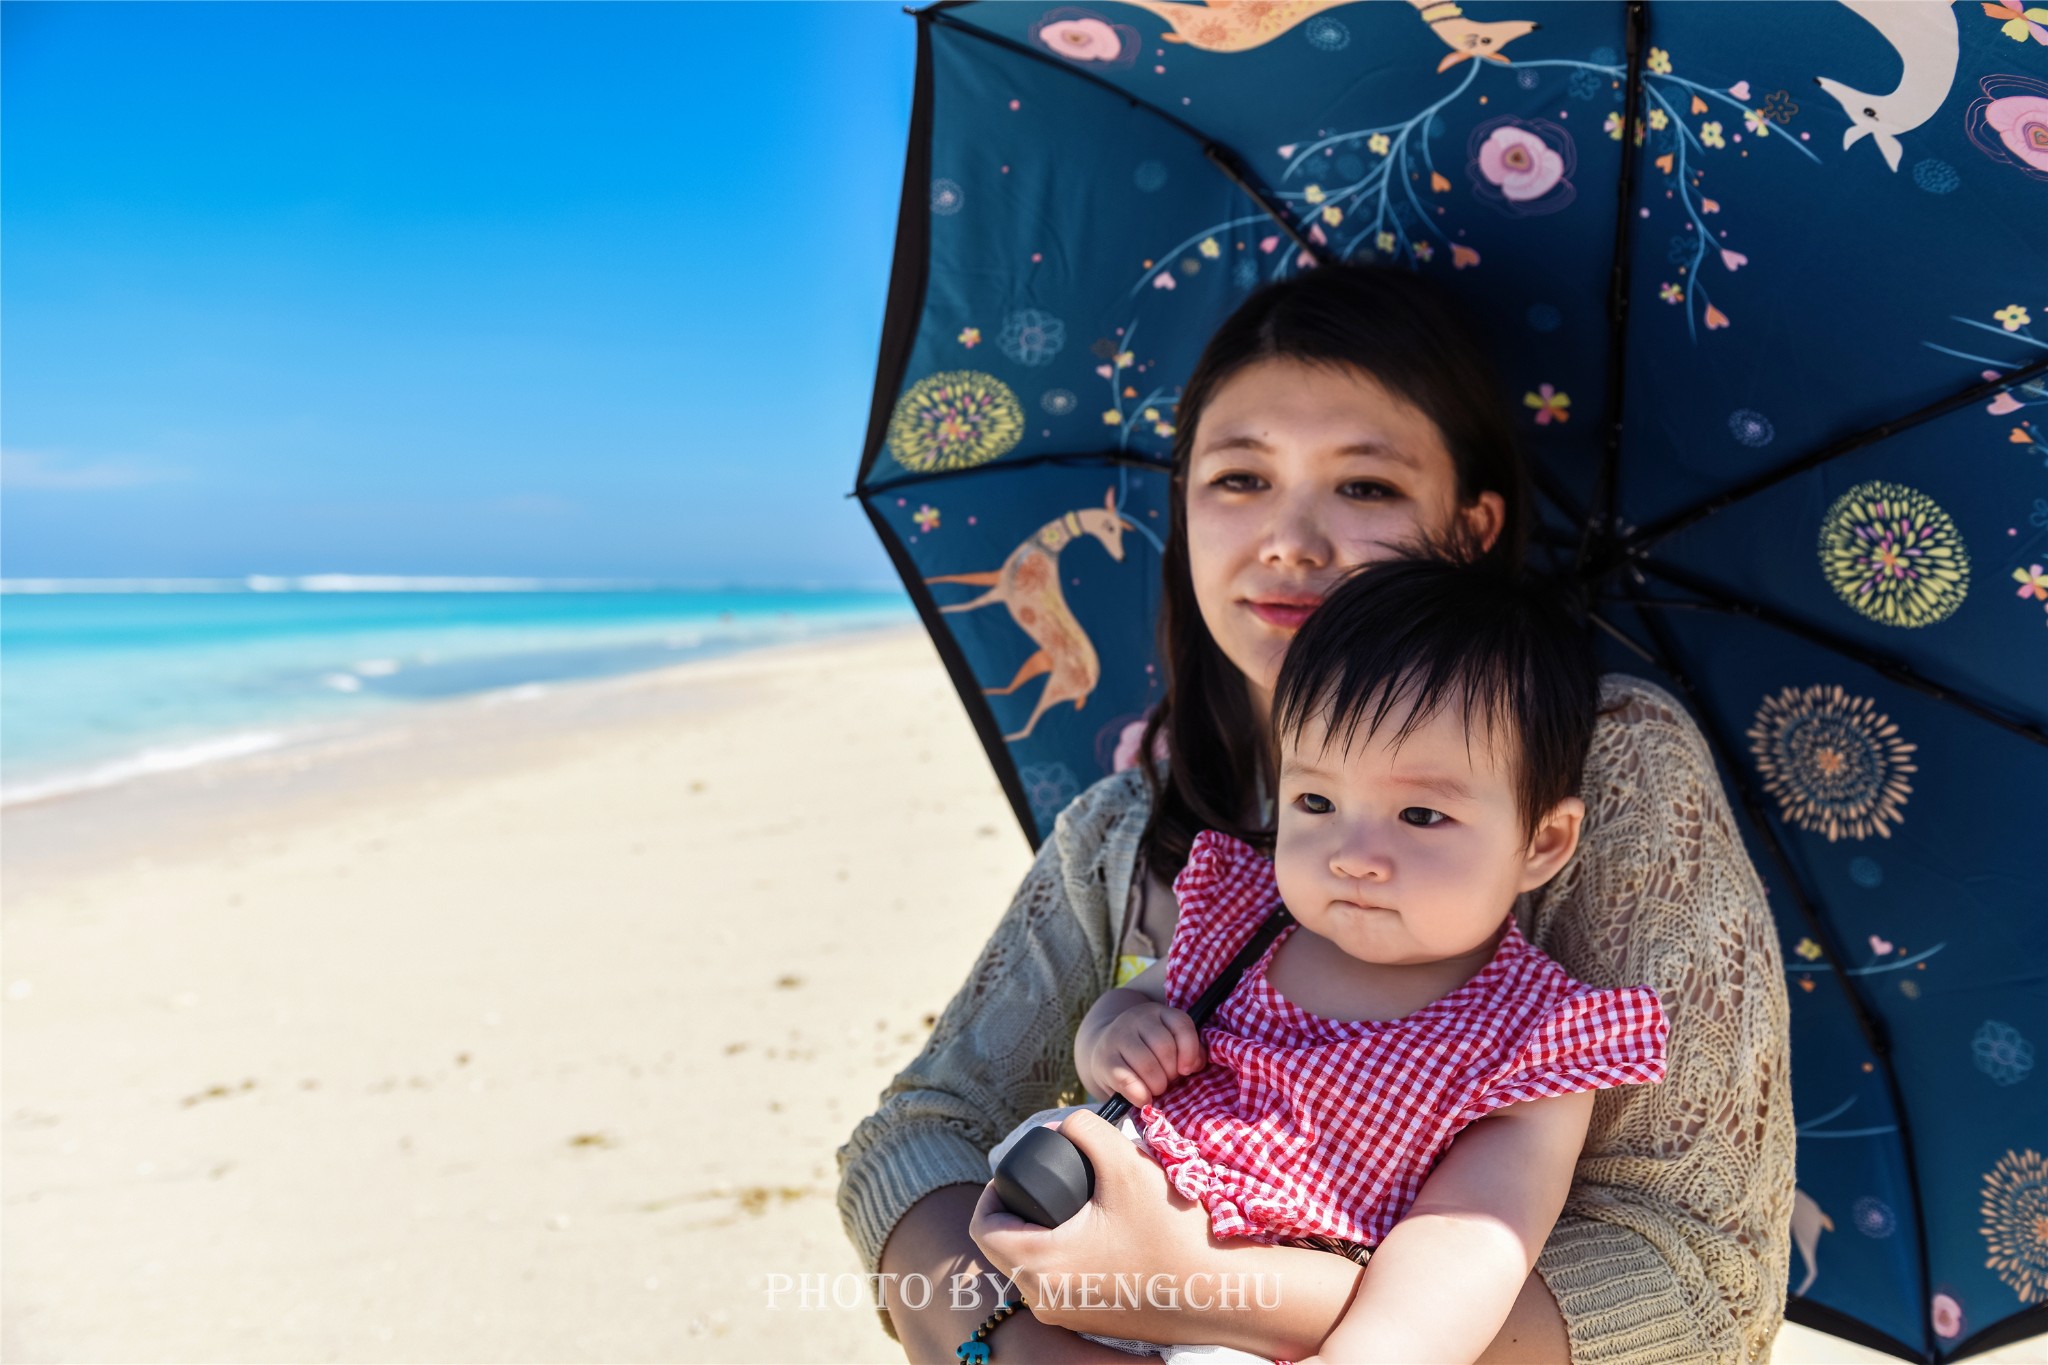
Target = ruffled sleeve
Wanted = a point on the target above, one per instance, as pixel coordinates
(1591, 1040)
(1224, 892)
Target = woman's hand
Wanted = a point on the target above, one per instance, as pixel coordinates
(931, 1241)
(1134, 1223)
(1138, 1225)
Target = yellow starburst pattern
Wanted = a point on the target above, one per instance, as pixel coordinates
(2015, 1212)
(1893, 555)
(1834, 762)
(956, 419)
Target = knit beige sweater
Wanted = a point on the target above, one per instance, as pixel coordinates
(1674, 1242)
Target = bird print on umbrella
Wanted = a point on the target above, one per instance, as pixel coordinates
(1240, 25)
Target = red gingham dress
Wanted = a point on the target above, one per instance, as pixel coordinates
(1301, 1126)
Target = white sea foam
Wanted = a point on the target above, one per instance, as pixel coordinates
(377, 668)
(327, 582)
(157, 759)
(342, 682)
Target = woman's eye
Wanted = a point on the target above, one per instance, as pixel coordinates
(1366, 490)
(1423, 815)
(1311, 804)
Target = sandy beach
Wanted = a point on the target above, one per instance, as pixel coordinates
(523, 1029)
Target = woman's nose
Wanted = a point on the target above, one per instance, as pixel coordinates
(1296, 537)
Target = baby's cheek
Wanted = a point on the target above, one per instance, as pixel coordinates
(1292, 868)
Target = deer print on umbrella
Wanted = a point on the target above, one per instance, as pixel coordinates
(1028, 584)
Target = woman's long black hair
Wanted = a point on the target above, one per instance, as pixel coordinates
(1405, 334)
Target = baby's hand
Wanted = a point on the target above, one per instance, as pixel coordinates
(1144, 1050)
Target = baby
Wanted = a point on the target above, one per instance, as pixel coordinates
(1431, 723)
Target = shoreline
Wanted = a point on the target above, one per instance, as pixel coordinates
(395, 690)
(145, 803)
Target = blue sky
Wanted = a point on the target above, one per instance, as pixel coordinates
(445, 289)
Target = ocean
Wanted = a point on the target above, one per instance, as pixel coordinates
(98, 686)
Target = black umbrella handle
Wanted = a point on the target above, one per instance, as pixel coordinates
(1045, 1179)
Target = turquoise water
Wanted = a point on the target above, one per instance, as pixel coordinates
(95, 687)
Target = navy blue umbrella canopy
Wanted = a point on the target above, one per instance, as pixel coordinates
(1769, 286)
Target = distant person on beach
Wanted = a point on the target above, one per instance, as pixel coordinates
(1332, 420)
(1431, 724)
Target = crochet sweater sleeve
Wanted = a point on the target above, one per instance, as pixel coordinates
(1676, 1235)
(1004, 1048)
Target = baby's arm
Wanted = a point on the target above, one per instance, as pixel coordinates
(1133, 1044)
(1440, 1285)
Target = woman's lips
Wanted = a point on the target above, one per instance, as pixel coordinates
(1286, 613)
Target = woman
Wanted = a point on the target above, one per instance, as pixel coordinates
(1331, 421)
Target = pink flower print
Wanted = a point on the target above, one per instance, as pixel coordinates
(1082, 39)
(2021, 122)
(2004, 403)
(1424, 251)
(1128, 741)
(2020, 23)
(970, 337)
(1734, 260)
(1550, 405)
(1671, 293)
(2033, 583)
(1943, 1311)
(1164, 280)
(927, 518)
(1612, 127)
(1757, 123)
(1521, 164)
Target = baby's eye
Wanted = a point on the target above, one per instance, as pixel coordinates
(1423, 815)
(1237, 482)
(1311, 804)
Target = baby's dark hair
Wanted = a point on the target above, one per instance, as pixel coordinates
(1434, 632)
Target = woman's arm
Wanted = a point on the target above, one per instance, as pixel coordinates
(931, 1241)
(1674, 1241)
(999, 1051)
(1445, 1279)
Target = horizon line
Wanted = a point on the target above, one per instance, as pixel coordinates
(251, 584)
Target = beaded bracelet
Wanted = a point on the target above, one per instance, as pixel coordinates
(974, 1350)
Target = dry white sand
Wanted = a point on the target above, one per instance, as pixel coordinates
(522, 1031)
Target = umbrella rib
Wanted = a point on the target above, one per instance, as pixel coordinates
(1225, 159)
(1875, 1036)
(1607, 494)
(1847, 445)
(1890, 669)
(1110, 458)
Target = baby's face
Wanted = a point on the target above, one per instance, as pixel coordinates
(1411, 854)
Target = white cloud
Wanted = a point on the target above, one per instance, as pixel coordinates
(40, 469)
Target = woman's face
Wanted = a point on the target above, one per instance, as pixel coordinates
(1299, 474)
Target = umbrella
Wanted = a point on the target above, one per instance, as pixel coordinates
(1769, 284)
